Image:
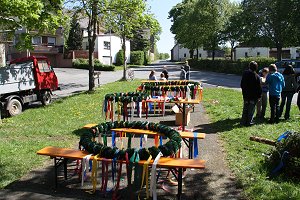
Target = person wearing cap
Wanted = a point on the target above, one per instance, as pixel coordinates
(251, 91)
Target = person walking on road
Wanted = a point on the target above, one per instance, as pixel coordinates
(276, 84)
(288, 91)
(251, 91)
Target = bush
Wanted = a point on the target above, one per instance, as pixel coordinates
(228, 66)
(137, 57)
(120, 58)
(81, 63)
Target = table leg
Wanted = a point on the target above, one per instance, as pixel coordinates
(179, 183)
(183, 117)
(191, 146)
(55, 171)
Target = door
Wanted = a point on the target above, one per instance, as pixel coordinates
(46, 78)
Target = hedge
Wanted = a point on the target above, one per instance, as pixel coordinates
(81, 63)
(137, 57)
(228, 66)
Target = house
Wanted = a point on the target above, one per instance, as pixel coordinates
(106, 48)
(244, 52)
(107, 45)
(49, 45)
(179, 53)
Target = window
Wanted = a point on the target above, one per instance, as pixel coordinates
(43, 66)
(106, 45)
(36, 40)
(51, 41)
(246, 54)
(258, 54)
(184, 55)
(200, 55)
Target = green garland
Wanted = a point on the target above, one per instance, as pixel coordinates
(87, 140)
(171, 83)
(169, 88)
(126, 97)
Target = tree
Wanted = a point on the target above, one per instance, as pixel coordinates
(126, 16)
(95, 11)
(198, 23)
(269, 23)
(34, 15)
(74, 41)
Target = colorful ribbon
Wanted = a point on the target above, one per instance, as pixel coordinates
(195, 145)
(153, 177)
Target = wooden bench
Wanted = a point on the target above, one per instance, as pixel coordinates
(61, 155)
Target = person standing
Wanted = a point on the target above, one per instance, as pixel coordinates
(263, 101)
(276, 83)
(187, 69)
(288, 91)
(251, 91)
(182, 73)
(165, 72)
(152, 76)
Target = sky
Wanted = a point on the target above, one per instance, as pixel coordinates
(161, 8)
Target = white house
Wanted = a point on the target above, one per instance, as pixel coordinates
(179, 53)
(106, 48)
(287, 53)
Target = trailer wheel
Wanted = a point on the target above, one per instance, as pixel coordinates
(46, 98)
(14, 107)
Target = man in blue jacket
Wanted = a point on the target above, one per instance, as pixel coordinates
(251, 90)
(276, 83)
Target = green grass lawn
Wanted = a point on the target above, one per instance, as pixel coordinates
(57, 125)
(245, 157)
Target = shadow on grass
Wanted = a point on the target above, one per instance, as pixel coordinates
(219, 126)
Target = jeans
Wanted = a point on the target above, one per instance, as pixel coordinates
(286, 98)
(262, 105)
(275, 110)
(248, 112)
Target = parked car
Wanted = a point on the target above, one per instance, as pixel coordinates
(281, 65)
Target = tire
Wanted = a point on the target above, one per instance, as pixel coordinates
(14, 107)
(46, 98)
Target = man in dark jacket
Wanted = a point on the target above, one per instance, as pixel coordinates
(251, 90)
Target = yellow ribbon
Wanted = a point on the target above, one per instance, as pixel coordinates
(119, 111)
(94, 174)
(145, 172)
(154, 107)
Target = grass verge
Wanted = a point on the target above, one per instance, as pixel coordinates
(58, 124)
(245, 157)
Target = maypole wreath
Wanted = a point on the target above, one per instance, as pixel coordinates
(87, 140)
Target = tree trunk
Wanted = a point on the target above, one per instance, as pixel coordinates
(91, 68)
(191, 53)
(231, 50)
(124, 57)
(279, 52)
(213, 54)
(197, 53)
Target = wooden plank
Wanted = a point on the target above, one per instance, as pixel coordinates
(163, 162)
(87, 126)
(191, 135)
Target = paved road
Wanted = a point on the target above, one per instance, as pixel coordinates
(73, 81)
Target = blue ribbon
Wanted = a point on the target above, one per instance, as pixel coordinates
(114, 166)
(281, 164)
(195, 145)
(160, 140)
(283, 136)
(105, 106)
(113, 138)
(141, 141)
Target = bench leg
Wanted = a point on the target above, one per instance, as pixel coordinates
(65, 168)
(179, 177)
